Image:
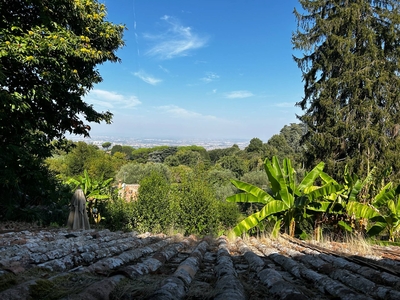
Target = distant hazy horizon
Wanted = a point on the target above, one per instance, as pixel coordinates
(152, 142)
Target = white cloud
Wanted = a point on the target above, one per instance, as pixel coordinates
(147, 78)
(210, 76)
(111, 100)
(177, 111)
(176, 41)
(239, 94)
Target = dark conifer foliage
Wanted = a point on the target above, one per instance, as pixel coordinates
(350, 69)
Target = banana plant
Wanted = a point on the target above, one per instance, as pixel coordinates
(285, 198)
(94, 190)
(384, 211)
(353, 192)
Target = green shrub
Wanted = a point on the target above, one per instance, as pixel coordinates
(228, 214)
(195, 205)
(118, 214)
(152, 209)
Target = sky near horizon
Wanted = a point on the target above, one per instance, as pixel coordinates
(209, 69)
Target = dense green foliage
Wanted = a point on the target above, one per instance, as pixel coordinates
(350, 69)
(49, 51)
(189, 207)
(153, 210)
(82, 157)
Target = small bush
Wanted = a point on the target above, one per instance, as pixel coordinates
(152, 209)
(118, 214)
(195, 205)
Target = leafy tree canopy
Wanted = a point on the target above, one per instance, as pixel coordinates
(184, 157)
(135, 172)
(203, 152)
(116, 148)
(236, 164)
(106, 145)
(216, 154)
(255, 145)
(49, 51)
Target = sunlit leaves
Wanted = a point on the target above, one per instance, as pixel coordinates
(44, 75)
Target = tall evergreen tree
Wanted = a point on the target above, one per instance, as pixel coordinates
(350, 69)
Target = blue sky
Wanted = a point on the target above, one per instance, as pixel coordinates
(200, 69)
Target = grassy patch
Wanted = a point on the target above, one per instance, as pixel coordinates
(7, 281)
(61, 286)
(138, 288)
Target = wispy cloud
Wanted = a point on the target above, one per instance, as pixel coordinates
(210, 76)
(164, 69)
(180, 112)
(238, 94)
(176, 41)
(111, 100)
(147, 78)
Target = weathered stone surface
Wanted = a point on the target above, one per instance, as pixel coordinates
(187, 267)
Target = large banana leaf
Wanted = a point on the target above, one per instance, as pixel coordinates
(97, 195)
(310, 178)
(271, 178)
(355, 190)
(246, 224)
(320, 206)
(376, 229)
(251, 221)
(392, 208)
(325, 191)
(246, 198)
(361, 210)
(278, 181)
(386, 194)
(271, 208)
(260, 194)
(289, 173)
(354, 184)
(326, 178)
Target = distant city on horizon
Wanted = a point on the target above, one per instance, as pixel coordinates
(208, 144)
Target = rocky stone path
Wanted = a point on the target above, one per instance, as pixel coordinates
(60, 264)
